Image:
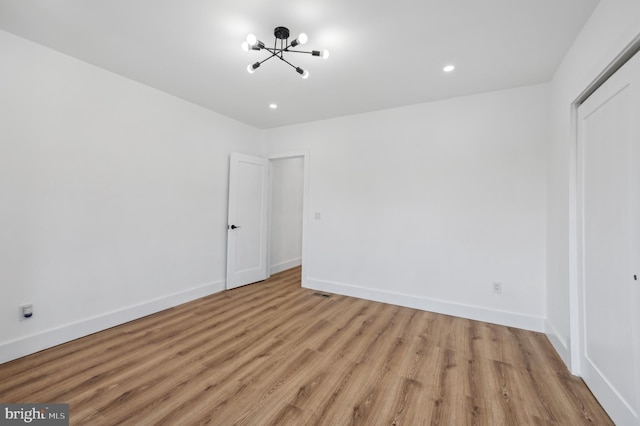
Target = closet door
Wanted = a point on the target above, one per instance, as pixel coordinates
(609, 207)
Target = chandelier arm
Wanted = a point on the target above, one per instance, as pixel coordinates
(265, 60)
(274, 52)
(292, 66)
(299, 51)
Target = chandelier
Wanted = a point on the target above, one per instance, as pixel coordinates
(280, 46)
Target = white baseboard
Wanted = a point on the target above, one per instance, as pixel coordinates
(283, 266)
(559, 344)
(477, 313)
(49, 338)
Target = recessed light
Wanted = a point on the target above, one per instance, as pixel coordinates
(448, 68)
(273, 106)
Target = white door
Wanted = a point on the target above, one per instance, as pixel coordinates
(609, 189)
(247, 223)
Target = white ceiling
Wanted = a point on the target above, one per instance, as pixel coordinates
(384, 54)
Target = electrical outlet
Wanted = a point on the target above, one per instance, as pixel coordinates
(25, 311)
(497, 287)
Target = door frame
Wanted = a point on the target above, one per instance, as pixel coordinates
(305, 205)
(576, 249)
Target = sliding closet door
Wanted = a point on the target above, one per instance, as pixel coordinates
(609, 200)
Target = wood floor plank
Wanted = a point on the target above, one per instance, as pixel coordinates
(273, 353)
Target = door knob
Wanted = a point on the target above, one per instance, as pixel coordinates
(233, 227)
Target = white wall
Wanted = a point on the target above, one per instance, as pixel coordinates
(613, 25)
(287, 178)
(428, 205)
(114, 197)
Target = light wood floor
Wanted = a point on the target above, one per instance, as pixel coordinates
(275, 353)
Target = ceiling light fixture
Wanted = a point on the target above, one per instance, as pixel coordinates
(449, 68)
(280, 46)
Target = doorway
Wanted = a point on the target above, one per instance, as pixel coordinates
(286, 208)
(267, 216)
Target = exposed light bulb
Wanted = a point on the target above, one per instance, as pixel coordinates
(251, 68)
(325, 54)
(305, 74)
(273, 106)
(302, 38)
(252, 39)
(448, 68)
(245, 46)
